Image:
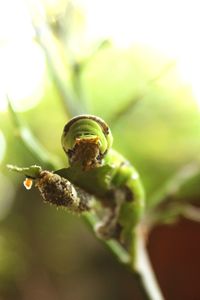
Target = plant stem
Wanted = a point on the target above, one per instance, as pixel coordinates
(191, 212)
(143, 271)
(32, 145)
(174, 184)
(138, 98)
(140, 267)
(120, 253)
(55, 63)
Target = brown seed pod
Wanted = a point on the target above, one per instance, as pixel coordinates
(60, 192)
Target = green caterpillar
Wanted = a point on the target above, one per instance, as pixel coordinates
(95, 169)
(86, 139)
(103, 172)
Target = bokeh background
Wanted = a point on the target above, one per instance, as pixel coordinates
(136, 65)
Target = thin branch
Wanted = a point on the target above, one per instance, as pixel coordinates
(54, 61)
(135, 100)
(144, 273)
(191, 212)
(120, 253)
(37, 151)
(174, 184)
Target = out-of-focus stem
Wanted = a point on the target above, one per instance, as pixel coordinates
(55, 63)
(32, 145)
(191, 212)
(143, 271)
(120, 253)
(123, 111)
(174, 184)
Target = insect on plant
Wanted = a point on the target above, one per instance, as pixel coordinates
(98, 180)
(87, 141)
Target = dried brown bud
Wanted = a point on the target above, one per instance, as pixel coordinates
(60, 192)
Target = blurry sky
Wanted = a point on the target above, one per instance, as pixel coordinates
(171, 27)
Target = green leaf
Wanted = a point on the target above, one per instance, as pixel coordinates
(95, 181)
(32, 171)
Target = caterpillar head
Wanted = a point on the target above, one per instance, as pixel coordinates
(86, 139)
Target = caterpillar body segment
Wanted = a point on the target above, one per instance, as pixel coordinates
(87, 141)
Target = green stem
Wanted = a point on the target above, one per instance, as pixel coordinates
(135, 100)
(32, 171)
(140, 266)
(32, 145)
(55, 63)
(55, 66)
(174, 184)
(120, 253)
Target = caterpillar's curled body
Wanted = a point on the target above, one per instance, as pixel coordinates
(95, 170)
(87, 141)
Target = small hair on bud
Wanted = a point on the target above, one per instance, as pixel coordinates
(28, 182)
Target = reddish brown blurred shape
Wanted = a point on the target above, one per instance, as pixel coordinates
(175, 254)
